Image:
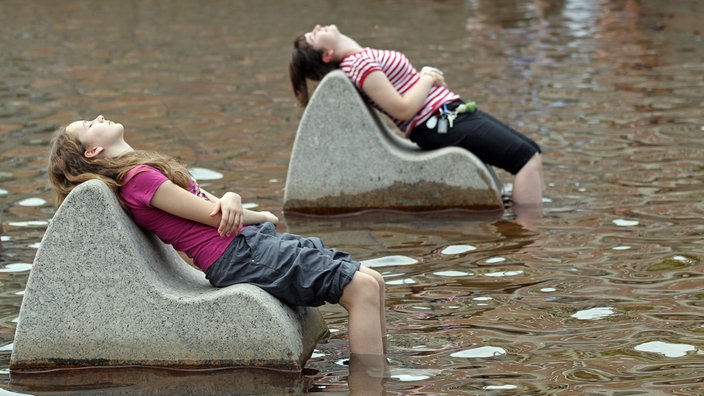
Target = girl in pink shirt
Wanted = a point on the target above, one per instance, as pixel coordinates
(417, 103)
(229, 243)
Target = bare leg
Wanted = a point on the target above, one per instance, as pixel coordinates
(382, 295)
(368, 373)
(528, 184)
(361, 300)
(528, 189)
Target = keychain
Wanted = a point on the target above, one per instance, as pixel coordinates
(442, 122)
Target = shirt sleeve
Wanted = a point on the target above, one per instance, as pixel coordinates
(141, 186)
(360, 67)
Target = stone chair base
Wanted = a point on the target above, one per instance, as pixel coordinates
(103, 292)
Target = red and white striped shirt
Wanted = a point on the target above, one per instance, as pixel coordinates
(402, 76)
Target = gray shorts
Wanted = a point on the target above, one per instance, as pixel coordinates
(298, 271)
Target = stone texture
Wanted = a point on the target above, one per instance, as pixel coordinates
(346, 158)
(104, 292)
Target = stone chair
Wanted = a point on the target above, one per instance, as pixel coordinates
(104, 292)
(345, 158)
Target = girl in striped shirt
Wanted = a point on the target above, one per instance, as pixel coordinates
(415, 102)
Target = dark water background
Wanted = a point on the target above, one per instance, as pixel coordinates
(603, 295)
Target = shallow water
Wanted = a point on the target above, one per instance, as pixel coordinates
(602, 295)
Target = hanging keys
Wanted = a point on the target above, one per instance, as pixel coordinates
(451, 118)
(446, 120)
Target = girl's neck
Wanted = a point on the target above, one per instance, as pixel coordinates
(119, 149)
(346, 46)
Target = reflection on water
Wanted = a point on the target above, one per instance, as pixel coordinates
(160, 381)
(602, 294)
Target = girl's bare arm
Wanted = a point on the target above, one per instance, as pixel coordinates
(379, 89)
(173, 199)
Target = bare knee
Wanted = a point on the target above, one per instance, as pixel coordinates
(363, 289)
(377, 276)
(534, 164)
(528, 185)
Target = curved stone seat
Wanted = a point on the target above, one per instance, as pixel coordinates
(345, 159)
(104, 292)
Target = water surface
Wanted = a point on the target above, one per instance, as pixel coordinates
(601, 295)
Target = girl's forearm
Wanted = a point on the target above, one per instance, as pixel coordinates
(416, 95)
(252, 217)
(249, 216)
(379, 89)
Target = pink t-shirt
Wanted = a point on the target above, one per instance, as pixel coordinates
(402, 76)
(200, 242)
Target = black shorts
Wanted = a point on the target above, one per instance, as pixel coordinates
(486, 137)
(298, 271)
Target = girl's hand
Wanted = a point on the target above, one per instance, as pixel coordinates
(270, 217)
(230, 205)
(436, 74)
(438, 79)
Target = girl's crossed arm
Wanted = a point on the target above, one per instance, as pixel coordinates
(226, 213)
(379, 89)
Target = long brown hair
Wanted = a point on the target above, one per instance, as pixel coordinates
(68, 167)
(307, 62)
